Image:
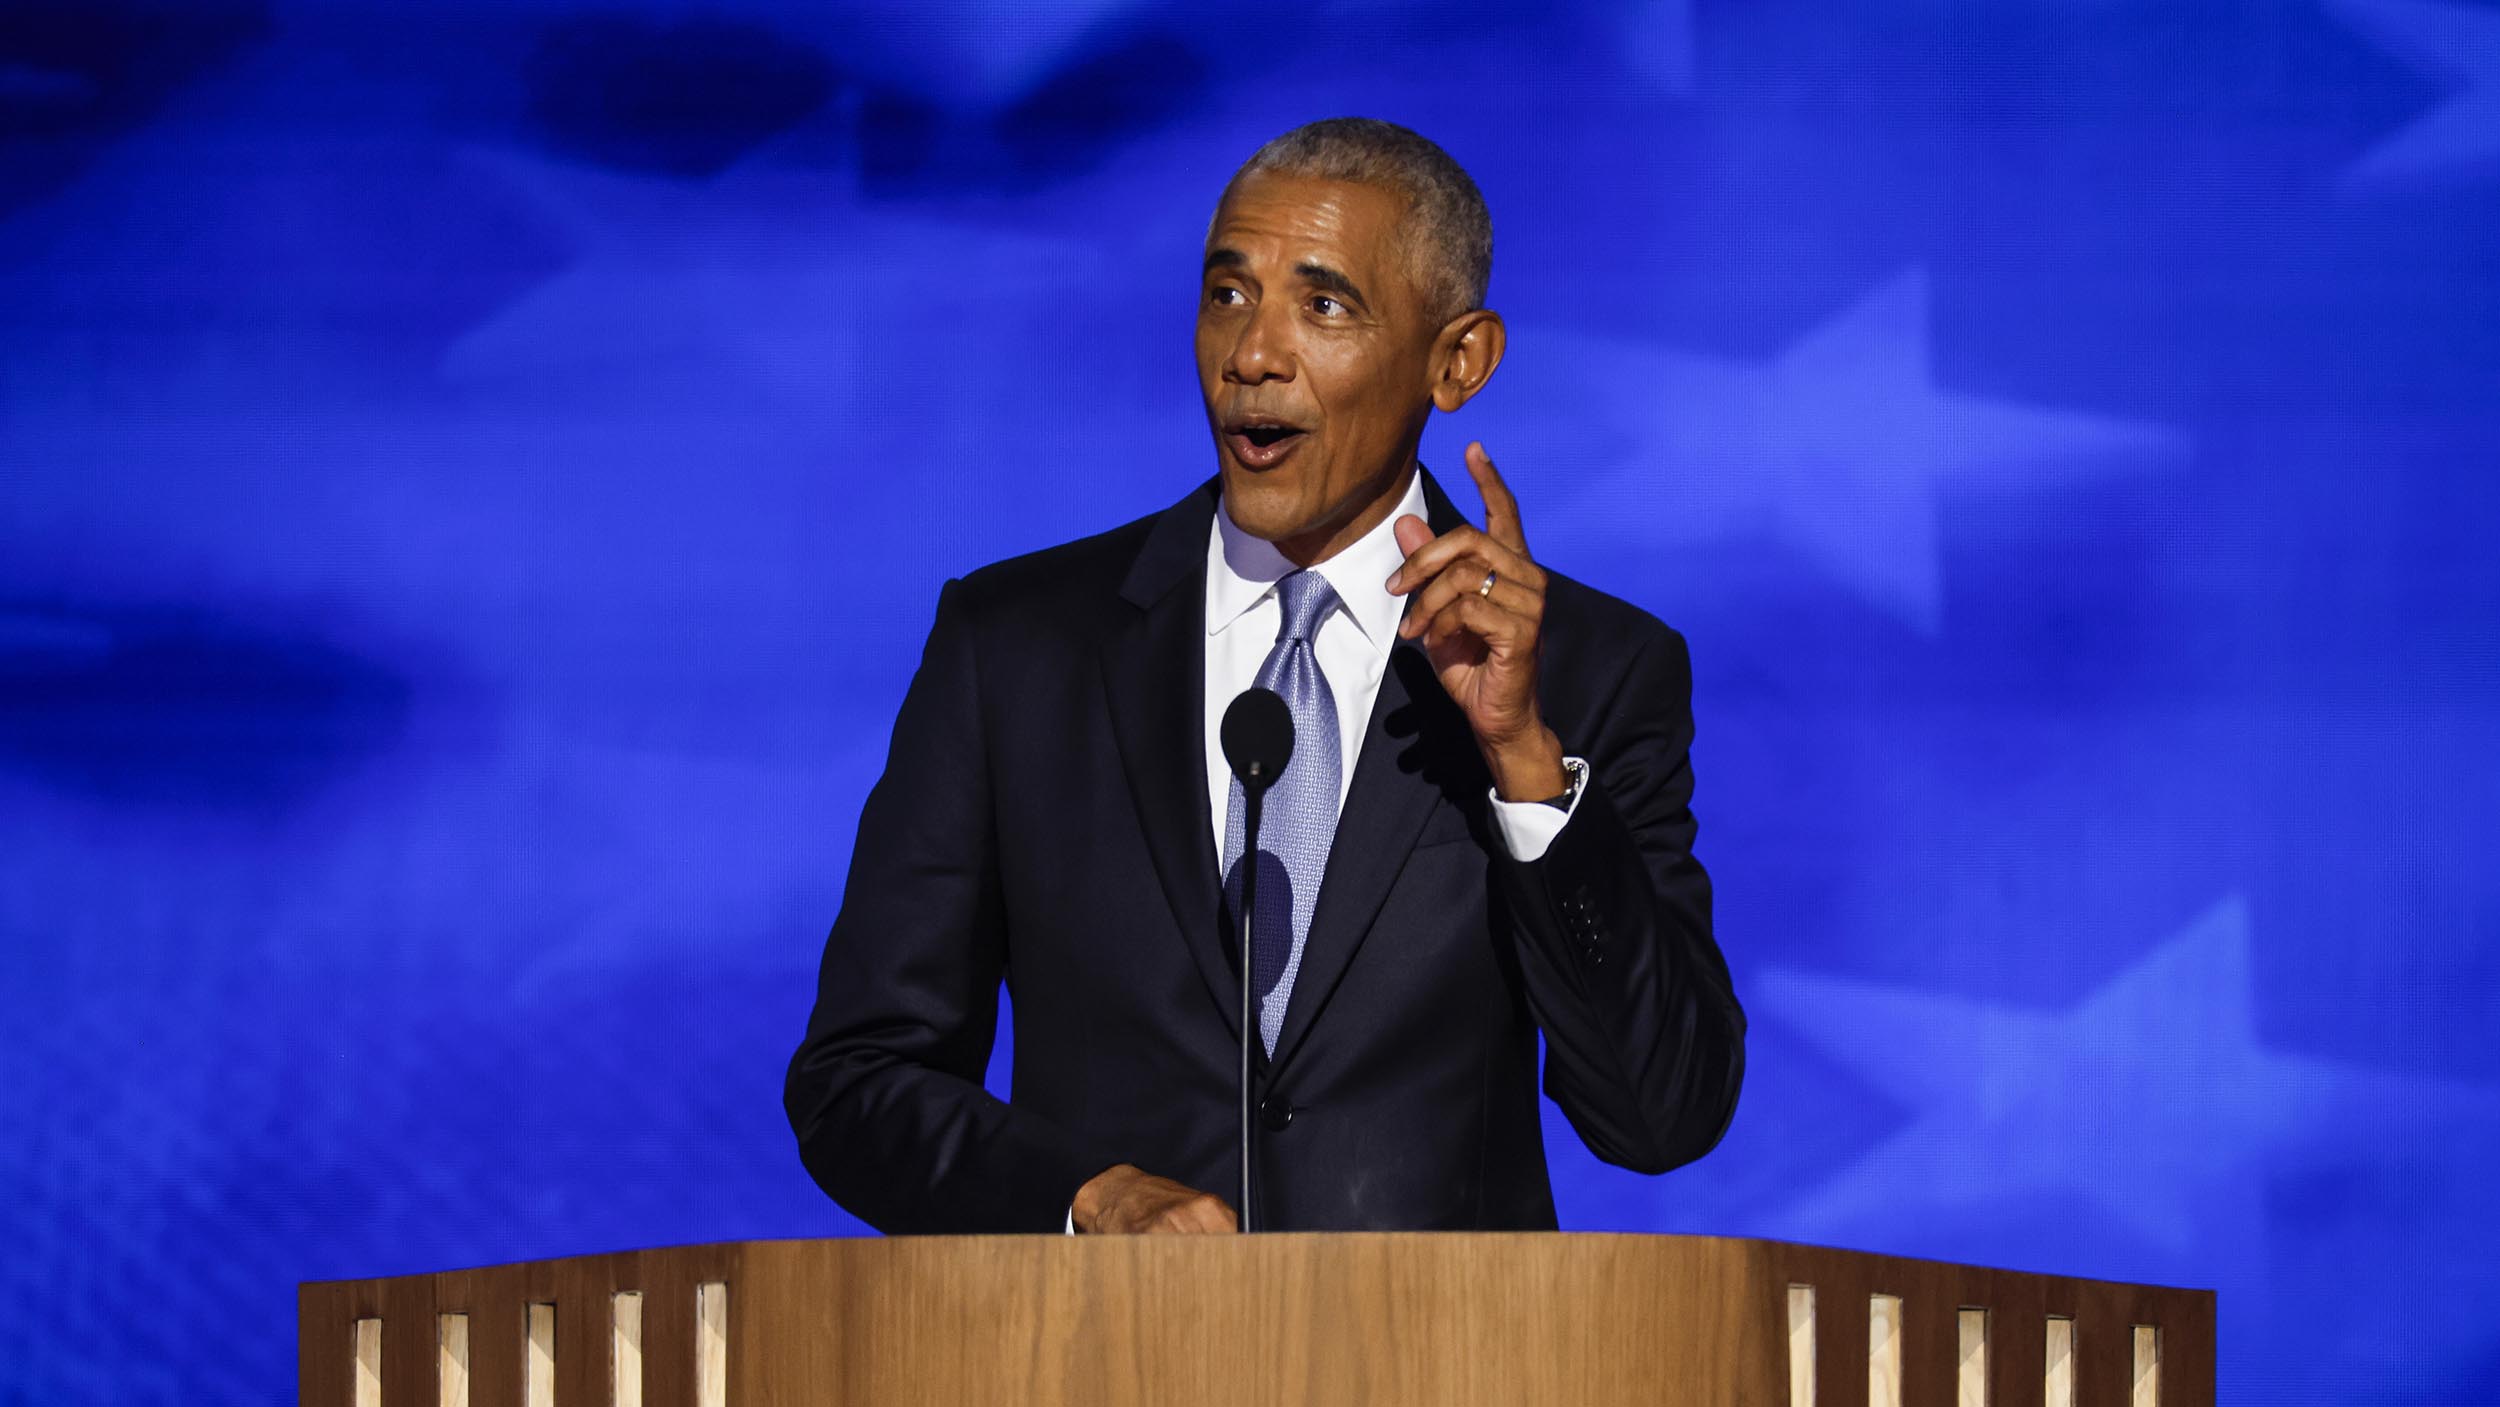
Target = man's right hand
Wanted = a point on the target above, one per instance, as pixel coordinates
(1126, 1200)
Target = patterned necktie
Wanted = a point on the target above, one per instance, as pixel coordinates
(1299, 819)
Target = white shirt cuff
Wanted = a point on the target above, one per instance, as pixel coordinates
(1072, 1218)
(1527, 828)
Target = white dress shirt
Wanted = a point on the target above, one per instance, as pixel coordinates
(1352, 646)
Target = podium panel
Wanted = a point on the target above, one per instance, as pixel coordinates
(1446, 1318)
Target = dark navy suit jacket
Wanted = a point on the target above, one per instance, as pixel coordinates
(1043, 819)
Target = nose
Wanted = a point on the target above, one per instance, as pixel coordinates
(1262, 349)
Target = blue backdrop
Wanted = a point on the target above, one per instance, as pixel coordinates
(474, 479)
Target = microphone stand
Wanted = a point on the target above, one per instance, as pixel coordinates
(1257, 734)
(1253, 799)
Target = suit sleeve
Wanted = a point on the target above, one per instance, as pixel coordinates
(1645, 1042)
(885, 1091)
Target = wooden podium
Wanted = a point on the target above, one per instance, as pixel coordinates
(1579, 1320)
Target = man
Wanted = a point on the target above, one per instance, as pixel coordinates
(1483, 832)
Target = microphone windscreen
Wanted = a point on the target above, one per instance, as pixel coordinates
(1258, 737)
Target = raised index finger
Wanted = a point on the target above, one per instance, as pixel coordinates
(1501, 511)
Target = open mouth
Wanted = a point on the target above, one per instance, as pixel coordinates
(1259, 441)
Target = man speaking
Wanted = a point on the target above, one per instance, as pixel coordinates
(1483, 832)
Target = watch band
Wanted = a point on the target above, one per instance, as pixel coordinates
(1576, 773)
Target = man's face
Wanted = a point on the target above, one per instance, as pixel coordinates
(1314, 355)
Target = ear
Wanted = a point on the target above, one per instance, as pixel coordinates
(1464, 356)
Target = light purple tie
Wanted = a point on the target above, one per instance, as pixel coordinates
(1300, 816)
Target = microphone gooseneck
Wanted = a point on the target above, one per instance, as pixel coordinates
(1257, 734)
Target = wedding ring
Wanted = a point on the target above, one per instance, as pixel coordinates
(1486, 590)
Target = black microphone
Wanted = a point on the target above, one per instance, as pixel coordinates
(1258, 740)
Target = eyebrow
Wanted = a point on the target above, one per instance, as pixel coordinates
(1324, 277)
(1317, 275)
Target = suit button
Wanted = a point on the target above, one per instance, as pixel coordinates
(1275, 1113)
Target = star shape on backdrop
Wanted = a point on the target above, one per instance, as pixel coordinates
(2460, 134)
(2153, 1101)
(780, 280)
(1841, 447)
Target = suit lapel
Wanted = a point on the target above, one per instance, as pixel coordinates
(1154, 674)
(1415, 749)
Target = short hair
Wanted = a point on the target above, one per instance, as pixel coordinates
(1447, 231)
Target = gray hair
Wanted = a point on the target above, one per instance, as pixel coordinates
(1447, 231)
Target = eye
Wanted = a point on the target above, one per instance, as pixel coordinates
(1226, 294)
(1326, 306)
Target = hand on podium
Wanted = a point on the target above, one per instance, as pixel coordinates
(1128, 1200)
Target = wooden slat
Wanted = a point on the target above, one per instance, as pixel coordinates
(368, 1373)
(1802, 1362)
(2061, 1362)
(451, 1373)
(711, 1344)
(1970, 1363)
(538, 1360)
(1883, 1350)
(625, 1348)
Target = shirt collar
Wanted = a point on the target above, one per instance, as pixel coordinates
(1243, 570)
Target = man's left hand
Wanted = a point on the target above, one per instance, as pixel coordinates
(1483, 642)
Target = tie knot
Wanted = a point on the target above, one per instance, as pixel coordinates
(1307, 599)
